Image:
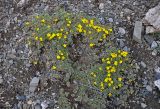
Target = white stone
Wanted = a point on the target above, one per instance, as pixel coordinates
(150, 29)
(157, 83)
(143, 64)
(153, 17)
(149, 88)
(101, 6)
(33, 84)
(143, 105)
(121, 31)
(22, 3)
(137, 31)
(154, 45)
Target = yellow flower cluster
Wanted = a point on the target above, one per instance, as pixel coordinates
(112, 65)
(60, 55)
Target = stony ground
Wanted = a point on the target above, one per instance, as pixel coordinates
(16, 71)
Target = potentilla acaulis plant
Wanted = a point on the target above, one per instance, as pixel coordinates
(63, 33)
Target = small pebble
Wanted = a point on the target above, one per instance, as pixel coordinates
(143, 105)
(121, 31)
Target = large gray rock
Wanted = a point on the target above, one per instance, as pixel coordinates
(153, 18)
(137, 31)
(33, 84)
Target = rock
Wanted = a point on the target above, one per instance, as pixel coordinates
(153, 17)
(154, 52)
(126, 48)
(1, 79)
(33, 84)
(121, 31)
(121, 43)
(101, 6)
(157, 83)
(22, 97)
(44, 105)
(102, 20)
(143, 64)
(37, 106)
(154, 45)
(149, 39)
(20, 105)
(157, 71)
(110, 20)
(149, 88)
(143, 105)
(11, 62)
(137, 31)
(29, 102)
(150, 29)
(25, 106)
(21, 3)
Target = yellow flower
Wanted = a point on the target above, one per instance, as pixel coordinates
(69, 22)
(91, 44)
(115, 63)
(104, 36)
(48, 35)
(55, 20)
(89, 32)
(114, 55)
(106, 32)
(95, 83)
(94, 75)
(109, 94)
(37, 29)
(61, 29)
(79, 26)
(119, 79)
(43, 21)
(107, 59)
(113, 69)
(58, 57)
(109, 75)
(102, 86)
(108, 67)
(119, 51)
(106, 80)
(100, 68)
(63, 58)
(114, 87)
(109, 84)
(109, 79)
(41, 39)
(36, 38)
(64, 45)
(84, 20)
(54, 67)
(80, 30)
(120, 85)
(92, 22)
(68, 25)
(103, 60)
(124, 53)
(27, 23)
(120, 61)
(110, 30)
(65, 37)
(108, 62)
